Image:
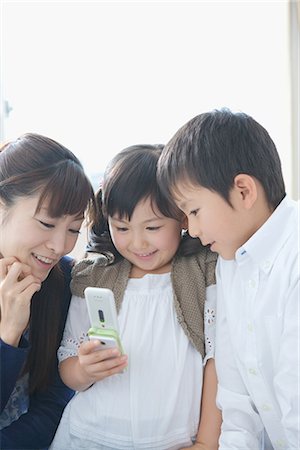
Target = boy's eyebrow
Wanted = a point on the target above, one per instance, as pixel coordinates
(79, 217)
(182, 205)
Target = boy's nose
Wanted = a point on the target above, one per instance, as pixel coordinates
(193, 230)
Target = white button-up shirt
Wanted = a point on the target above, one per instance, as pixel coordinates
(257, 336)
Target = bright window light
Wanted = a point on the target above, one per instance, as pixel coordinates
(100, 76)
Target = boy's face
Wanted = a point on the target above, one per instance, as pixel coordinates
(212, 219)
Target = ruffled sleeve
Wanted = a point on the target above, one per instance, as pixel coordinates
(210, 321)
(76, 329)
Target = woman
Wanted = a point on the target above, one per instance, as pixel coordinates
(44, 197)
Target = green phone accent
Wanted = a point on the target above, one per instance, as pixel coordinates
(107, 332)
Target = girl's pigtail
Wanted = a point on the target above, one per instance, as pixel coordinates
(99, 240)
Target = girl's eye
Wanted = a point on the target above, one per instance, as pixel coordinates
(153, 228)
(194, 212)
(121, 229)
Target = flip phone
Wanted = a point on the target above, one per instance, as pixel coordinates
(103, 317)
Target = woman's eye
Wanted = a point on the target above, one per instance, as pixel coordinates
(194, 212)
(47, 225)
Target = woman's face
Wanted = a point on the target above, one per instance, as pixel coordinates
(35, 238)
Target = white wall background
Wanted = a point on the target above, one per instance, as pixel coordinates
(99, 76)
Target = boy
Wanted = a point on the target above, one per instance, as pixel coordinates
(223, 171)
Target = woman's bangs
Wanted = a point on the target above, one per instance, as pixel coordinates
(68, 192)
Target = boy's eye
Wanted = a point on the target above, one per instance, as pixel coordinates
(75, 231)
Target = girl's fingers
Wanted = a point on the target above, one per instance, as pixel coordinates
(99, 363)
(87, 347)
(109, 367)
(91, 352)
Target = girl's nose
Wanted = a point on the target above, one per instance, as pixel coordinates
(139, 242)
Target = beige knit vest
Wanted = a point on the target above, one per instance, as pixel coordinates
(190, 276)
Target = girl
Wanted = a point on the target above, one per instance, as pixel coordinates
(43, 197)
(163, 283)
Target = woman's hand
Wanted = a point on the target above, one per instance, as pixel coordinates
(92, 364)
(17, 287)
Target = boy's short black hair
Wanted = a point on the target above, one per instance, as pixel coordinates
(214, 147)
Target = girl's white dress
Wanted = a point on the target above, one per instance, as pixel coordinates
(155, 403)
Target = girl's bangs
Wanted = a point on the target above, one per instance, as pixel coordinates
(122, 201)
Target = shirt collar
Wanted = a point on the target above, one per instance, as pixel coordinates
(266, 243)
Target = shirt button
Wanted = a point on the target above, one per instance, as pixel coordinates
(266, 407)
(250, 327)
(252, 371)
(266, 264)
(251, 284)
(280, 443)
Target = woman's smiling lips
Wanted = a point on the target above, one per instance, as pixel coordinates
(44, 260)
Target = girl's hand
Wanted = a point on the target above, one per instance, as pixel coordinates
(97, 364)
(17, 287)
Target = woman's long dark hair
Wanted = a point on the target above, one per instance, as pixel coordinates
(129, 178)
(35, 164)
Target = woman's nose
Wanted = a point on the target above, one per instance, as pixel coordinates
(57, 243)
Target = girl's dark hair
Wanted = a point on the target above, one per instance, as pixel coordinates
(35, 164)
(129, 178)
(214, 147)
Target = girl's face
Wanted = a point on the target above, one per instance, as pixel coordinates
(149, 240)
(35, 238)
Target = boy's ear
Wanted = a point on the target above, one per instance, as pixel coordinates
(246, 189)
(184, 223)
